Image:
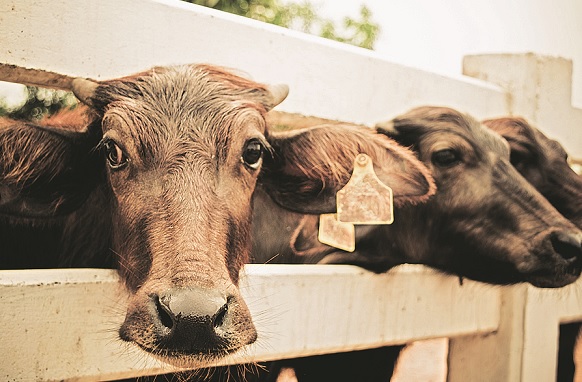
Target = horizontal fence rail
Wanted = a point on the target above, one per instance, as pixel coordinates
(327, 79)
(61, 324)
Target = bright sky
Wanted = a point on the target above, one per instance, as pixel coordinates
(435, 34)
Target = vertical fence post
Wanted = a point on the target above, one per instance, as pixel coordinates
(496, 356)
(541, 333)
(526, 344)
(539, 88)
(546, 309)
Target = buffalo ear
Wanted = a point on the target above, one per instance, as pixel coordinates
(45, 171)
(388, 128)
(514, 130)
(309, 166)
(304, 241)
(405, 131)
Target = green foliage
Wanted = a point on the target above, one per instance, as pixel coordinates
(361, 31)
(39, 102)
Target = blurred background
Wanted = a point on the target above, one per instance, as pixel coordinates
(435, 35)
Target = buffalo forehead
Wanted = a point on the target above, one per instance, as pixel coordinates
(185, 114)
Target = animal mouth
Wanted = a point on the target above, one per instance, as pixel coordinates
(560, 263)
(191, 357)
(193, 354)
(562, 274)
(188, 327)
(549, 279)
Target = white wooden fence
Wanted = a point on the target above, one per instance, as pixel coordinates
(61, 324)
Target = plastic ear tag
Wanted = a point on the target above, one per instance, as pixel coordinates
(335, 233)
(365, 199)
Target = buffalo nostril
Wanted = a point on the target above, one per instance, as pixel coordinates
(191, 319)
(164, 313)
(567, 245)
(220, 316)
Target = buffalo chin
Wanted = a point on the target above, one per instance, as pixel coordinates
(551, 277)
(553, 281)
(194, 358)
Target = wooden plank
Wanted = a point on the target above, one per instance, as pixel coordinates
(107, 38)
(497, 356)
(525, 346)
(62, 324)
(545, 310)
(540, 89)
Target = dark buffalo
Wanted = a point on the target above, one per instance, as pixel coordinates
(158, 176)
(486, 222)
(493, 226)
(544, 163)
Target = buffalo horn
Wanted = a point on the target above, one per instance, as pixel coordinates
(84, 89)
(278, 92)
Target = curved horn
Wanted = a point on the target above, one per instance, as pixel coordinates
(84, 89)
(278, 93)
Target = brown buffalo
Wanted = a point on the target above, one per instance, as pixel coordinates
(159, 176)
(544, 163)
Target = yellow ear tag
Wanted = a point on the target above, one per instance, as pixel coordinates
(335, 233)
(365, 199)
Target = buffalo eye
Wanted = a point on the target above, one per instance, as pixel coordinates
(517, 158)
(446, 158)
(522, 159)
(252, 154)
(116, 158)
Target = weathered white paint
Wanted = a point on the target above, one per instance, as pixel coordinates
(544, 311)
(540, 89)
(422, 361)
(525, 346)
(109, 38)
(61, 324)
(492, 357)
